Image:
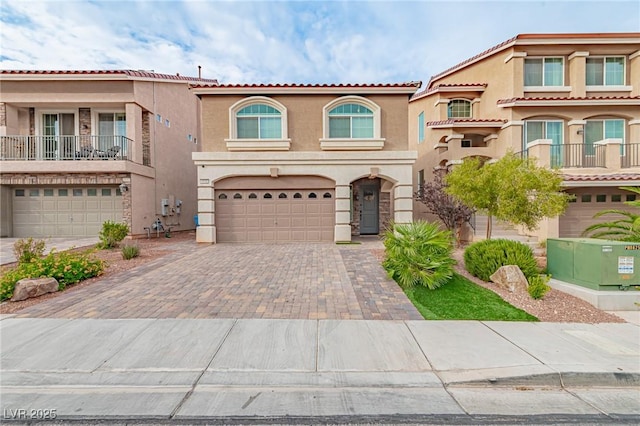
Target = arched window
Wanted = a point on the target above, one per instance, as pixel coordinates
(327, 195)
(297, 195)
(282, 195)
(237, 196)
(253, 195)
(313, 195)
(259, 121)
(459, 108)
(222, 196)
(267, 195)
(351, 121)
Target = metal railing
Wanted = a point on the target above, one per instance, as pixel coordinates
(73, 147)
(631, 157)
(578, 155)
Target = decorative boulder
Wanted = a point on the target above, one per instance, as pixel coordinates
(34, 287)
(511, 278)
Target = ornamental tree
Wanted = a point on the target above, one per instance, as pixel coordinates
(450, 210)
(512, 189)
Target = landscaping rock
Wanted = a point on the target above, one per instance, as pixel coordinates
(511, 278)
(34, 287)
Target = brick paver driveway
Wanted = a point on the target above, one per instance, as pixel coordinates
(287, 281)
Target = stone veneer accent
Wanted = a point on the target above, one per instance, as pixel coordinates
(62, 179)
(3, 114)
(384, 206)
(84, 115)
(146, 139)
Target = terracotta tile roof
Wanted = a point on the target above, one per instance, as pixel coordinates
(610, 177)
(410, 84)
(438, 87)
(466, 120)
(512, 41)
(128, 73)
(567, 98)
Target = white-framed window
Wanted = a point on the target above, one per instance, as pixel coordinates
(597, 130)
(111, 129)
(544, 71)
(57, 130)
(546, 129)
(350, 121)
(605, 71)
(459, 108)
(421, 127)
(420, 179)
(257, 123)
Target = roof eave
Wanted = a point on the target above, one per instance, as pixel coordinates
(281, 90)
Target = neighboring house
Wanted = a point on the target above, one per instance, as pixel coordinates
(81, 147)
(303, 162)
(570, 100)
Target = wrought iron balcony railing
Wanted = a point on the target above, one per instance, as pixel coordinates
(90, 147)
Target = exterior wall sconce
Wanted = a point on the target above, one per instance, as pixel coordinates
(580, 131)
(124, 187)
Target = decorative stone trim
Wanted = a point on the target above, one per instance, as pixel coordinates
(258, 144)
(62, 179)
(351, 144)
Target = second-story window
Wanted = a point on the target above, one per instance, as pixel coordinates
(606, 71)
(544, 72)
(534, 130)
(597, 130)
(459, 108)
(259, 121)
(351, 121)
(421, 127)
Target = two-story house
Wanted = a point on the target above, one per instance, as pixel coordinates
(78, 148)
(294, 162)
(570, 100)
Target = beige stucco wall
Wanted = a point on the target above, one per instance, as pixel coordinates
(503, 73)
(305, 121)
(172, 174)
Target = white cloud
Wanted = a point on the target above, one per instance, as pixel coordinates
(280, 41)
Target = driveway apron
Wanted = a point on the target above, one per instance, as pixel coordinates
(285, 281)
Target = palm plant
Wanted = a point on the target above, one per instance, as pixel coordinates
(626, 228)
(418, 253)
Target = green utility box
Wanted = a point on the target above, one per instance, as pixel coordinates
(595, 264)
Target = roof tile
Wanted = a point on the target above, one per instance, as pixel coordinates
(130, 73)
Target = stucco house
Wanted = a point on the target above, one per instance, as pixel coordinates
(81, 147)
(570, 100)
(297, 162)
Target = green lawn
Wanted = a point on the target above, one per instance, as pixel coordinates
(460, 299)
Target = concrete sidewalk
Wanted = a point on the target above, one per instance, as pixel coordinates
(314, 370)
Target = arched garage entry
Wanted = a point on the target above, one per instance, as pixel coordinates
(268, 209)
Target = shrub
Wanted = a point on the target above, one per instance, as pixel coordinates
(538, 286)
(418, 253)
(66, 267)
(27, 249)
(112, 233)
(484, 258)
(129, 251)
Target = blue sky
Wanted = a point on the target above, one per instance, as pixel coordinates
(285, 41)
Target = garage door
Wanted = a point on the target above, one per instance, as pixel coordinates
(275, 215)
(64, 212)
(588, 202)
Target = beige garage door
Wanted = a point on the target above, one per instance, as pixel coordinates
(275, 215)
(589, 201)
(64, 212)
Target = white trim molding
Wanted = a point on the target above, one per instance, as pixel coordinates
(515, 55)
(335, 144)
(578, 55)
(512, 123)
(233, 110)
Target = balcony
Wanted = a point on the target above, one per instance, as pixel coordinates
(608, 154)
(58, 148)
